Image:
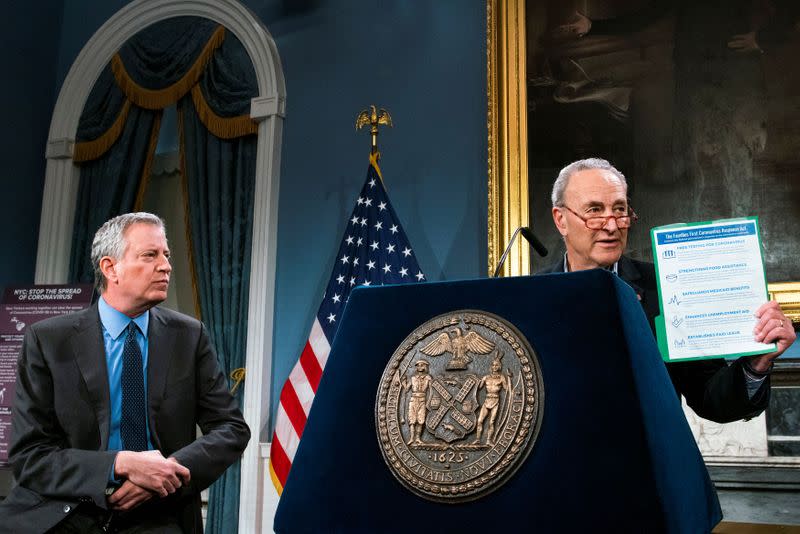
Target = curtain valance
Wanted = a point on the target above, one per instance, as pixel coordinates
(159, 66)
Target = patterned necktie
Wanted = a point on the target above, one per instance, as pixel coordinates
(133, 427)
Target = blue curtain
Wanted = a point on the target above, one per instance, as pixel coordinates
(161, 54)
(102, 107)
(220, 179)
(109, 186)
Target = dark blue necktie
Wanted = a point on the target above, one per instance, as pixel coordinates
(133, 427)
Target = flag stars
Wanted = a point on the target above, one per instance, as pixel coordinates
(406, 252)
(345, 259)
(390, 249)
(360, 241)
(367, 283)
(387, 268)
(352, 281)
(354, 220)
(379, 225)
(363, 221)
(360, 201)
(371, 183)
(331, 318)
(349, 240)
(420, 276)
(340, 279)
(393, 229)
(370, 265)
(337, 298)
(368, 202)
(374, 245)
(355, 262)
(403, 272)
(382, 206)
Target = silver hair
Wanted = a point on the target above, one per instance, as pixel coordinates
(110, 240)
(560, 185)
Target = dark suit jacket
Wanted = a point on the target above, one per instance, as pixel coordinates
(713, 389)
(60, 421)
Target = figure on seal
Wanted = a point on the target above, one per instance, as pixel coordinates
(420, 384)
(494, 383)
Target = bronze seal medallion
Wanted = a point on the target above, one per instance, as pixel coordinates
(459, 406)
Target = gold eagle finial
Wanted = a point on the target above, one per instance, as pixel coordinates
(373, 117)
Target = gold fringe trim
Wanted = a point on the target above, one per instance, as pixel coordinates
(275, 480)
(161, 98)
(373, 160)
(222, 127)
(238, 376)
(186, 219)
(148, 162)
(91, 150)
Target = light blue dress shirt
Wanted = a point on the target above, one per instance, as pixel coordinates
(114, 324)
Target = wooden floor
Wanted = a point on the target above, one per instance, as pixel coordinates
(728, 527)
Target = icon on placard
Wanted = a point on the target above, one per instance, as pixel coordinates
(677, 321)
(20, 325)
(671, 277)
(679, 343)
(674, 300)
(668, 254)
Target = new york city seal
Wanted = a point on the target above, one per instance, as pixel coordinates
(459, 406)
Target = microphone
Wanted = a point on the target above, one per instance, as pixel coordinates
(532, 239)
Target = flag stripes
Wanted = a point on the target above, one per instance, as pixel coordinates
(374, 251)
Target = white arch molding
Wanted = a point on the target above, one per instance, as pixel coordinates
(61, 189)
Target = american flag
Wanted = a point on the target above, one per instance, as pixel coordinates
(374, 251)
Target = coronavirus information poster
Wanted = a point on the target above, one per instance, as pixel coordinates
(20, 308)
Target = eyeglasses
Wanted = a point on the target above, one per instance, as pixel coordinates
(600, 222)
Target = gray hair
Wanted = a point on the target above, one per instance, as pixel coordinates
(110, 240)
(560, 185)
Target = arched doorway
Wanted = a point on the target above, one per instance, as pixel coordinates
(62, 178)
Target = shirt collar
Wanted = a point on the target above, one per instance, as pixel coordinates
(115, 322)
(613, 268)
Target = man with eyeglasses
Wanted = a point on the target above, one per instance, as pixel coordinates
(592, 214)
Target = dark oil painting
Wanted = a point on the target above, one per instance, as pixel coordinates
(697, 102)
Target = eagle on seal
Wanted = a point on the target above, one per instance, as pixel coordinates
(458, 345)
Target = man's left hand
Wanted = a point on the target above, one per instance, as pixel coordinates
(772, 327)
(128, 496)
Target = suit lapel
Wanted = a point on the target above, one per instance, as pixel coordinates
(630, 273)
(159, 348)
(555, 267)
(90, 355)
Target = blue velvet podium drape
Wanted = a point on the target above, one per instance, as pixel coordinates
(614, 452)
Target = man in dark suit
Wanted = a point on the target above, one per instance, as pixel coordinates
(108, 399)
(591, 212)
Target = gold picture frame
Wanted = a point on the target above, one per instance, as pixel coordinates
(507, 124)
(787, 294)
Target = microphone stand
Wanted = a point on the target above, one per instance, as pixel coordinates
(534, 242)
